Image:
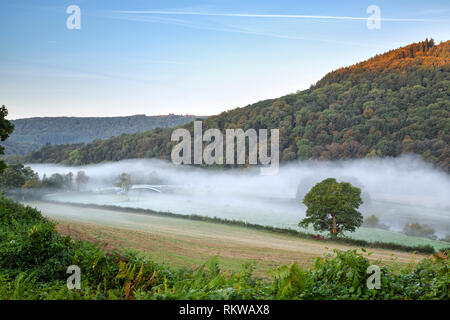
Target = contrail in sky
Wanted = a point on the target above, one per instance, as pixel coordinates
(281, 16)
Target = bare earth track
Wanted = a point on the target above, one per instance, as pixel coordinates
(181, 242)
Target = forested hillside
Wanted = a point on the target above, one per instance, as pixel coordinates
(394, 103)
(32, 133)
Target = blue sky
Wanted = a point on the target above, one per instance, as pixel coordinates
(189, 57)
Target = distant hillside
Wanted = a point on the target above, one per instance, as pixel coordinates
(32, 133)
(394, 103)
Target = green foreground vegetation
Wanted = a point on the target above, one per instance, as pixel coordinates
(34, 259)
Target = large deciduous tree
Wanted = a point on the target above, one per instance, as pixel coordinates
(332, 206)
(6, 128)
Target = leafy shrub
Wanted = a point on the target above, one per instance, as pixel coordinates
(290, 281)
(419, 230)
(373, 222)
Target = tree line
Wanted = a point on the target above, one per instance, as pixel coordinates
(32, 133)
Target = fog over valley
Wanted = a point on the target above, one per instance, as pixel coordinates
(398, 191)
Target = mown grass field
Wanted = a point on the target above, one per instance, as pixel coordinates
(191, 249)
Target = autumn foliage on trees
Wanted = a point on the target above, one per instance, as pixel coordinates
(421, 55)
(392, 104)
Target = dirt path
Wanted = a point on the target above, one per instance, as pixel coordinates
(186, 243)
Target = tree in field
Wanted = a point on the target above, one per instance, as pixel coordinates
(419, 230)
(6, 128)
(332, 206)
(81, 179)
(373, 222)
(124, 182)
(68, 180)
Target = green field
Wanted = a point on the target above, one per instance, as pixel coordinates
(260, 217)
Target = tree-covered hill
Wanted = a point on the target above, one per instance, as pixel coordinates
(33, 133)
(394, 103)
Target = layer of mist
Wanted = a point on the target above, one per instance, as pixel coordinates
(398, 191)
